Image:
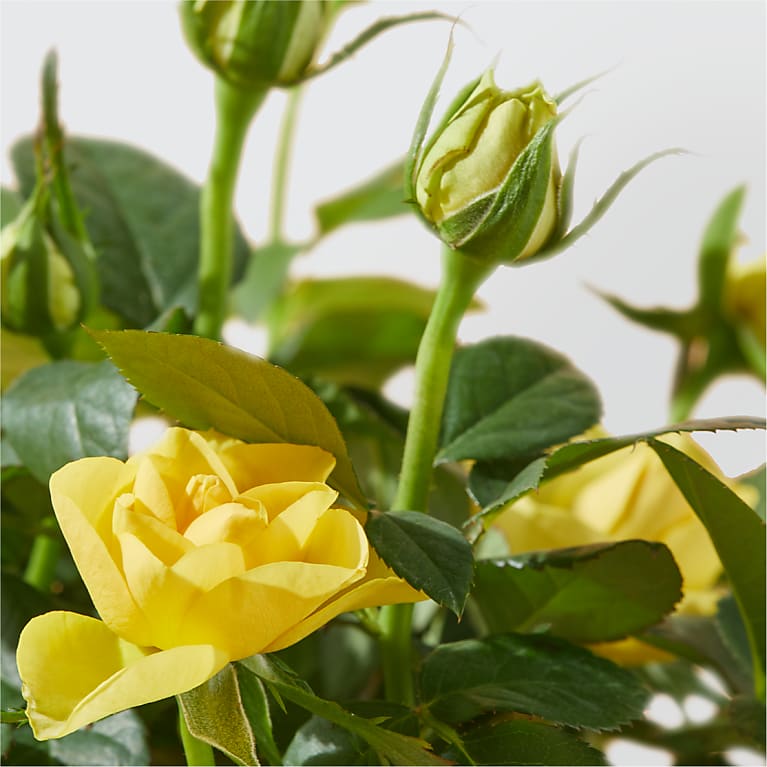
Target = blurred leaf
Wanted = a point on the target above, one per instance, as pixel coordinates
(538, 675)
(510, 397)
(20, 353)
(143, 219)
(11, 203)
(679, 323)
(719, 241)
(380, 197)
(67, 410)
(117, 740)
(575, 454)
(527, 743)
(748, 718)
(205, 384)
(393, 746)
(729, 623)
(215, 714)
(432, 556)
(758, 480)
(354, 330)
(738, 536)
(593, 593)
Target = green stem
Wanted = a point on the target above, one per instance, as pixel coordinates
(235, 109)
(461, 276)
(282, 164)
(198, 753)
(41, 568)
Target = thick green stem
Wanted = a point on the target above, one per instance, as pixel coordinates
(41, 568)
(461, 277)
(235, 109)
(198, 754)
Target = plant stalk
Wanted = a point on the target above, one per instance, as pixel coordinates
(197, 753)
(461, 276)
(235, 110)
(41, 568)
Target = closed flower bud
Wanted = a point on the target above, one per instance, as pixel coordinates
(255, 43)
(488, 179)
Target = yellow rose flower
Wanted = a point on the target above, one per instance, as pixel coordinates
(200, 551)
(627, 494)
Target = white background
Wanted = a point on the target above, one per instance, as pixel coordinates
(683, 74)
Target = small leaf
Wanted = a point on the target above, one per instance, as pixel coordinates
(67, 410)
(509, 397)
(11, 204)
(719, 241)
(678, 323)
(205, 384)
(522, 742)
(430, 555)
(538, 675)
(392, 746)
(215, 714)
(738, 536)
(593, 593)
(255, 703)
(378, 198)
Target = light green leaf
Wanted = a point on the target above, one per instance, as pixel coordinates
(738, 536)
(67, 410)
(508, 398)
(11, 204)
(432, 556)
(596, 593)
(256, 706)
(392, 746)
(205, 384)
(215, 714)
(538, 675)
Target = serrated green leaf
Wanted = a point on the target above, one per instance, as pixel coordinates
(205, 384)
(215, 714)
(355, 331)
(508, 398)
(67, 410)
(596, 593)
(575, 454)
(719, 240)
(432, 556)
(143, 220)
(538, 675)
(381, 197)
(739, 538)
(393, 746)
(521, 742)
(117, 740)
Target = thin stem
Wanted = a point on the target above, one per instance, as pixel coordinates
(235, 109)
(462, 275)
(198, 753)
(41, 568)
(282, 164)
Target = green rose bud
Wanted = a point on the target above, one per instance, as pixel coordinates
(488, 179)
(255, 43)
(39, 287)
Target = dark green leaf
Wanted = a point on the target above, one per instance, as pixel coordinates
(748, 718)
(430, 555)
(393, 746)
(539, 675)
(509, 397)
(116, 740)
(738, 536)
(320, 742)
(215, 714)
(67, 410)
(758, 480)
(255, 703)
(142, 217)
(593, 593)
(729, 623)
(380, 197)
(719, 241)
(528, 743)
(355, 331)
(205, 384)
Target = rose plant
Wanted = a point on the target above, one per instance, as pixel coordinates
(297, 570)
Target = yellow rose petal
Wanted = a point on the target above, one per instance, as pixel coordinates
(74, 671)
(163, 541)
(276, 498)
(83, 495)
(230, 522)
(151, 492)
(337, 539)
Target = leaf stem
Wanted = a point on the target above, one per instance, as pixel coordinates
(282, 164)
(461, 276)
(41, 568)
(235, 109)
(197, 753)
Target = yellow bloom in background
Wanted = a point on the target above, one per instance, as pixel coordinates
(627, 494)
(745, 297)
(197, 552)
